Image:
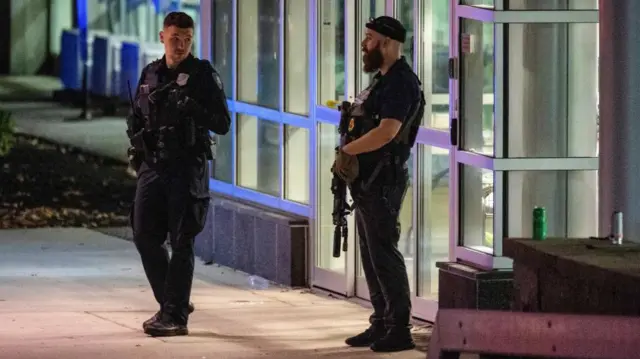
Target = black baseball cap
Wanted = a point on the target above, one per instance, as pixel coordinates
(388, 26)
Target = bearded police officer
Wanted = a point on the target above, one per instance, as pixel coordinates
(384, 121)
(179, 99)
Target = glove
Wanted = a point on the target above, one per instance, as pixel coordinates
(161, 95)
(346, 166)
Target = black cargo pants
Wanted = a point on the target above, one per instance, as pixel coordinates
(171, 199)
(376, 215)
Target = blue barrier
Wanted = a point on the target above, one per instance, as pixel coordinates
(100, 66)
(70, 63)
(107, 65)
(129, 68)
(134, 57)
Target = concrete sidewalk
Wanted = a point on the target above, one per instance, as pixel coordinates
(76, 293)
(104, 136)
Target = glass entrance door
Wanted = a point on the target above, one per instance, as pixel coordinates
(426, 215)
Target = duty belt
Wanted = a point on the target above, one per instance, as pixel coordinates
(387, 161)
(163, 144)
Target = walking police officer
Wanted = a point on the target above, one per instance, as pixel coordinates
(384, 121)
(179, 99)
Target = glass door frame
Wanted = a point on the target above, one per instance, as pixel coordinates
(424, 308)
(342, 283)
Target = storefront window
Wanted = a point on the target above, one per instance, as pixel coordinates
(296, 175)
(258, 154)
(331, 52)
(258, 52)
(296, 68)
(222, 47)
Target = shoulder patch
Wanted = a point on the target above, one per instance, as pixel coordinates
(217, 79)
(208, 67)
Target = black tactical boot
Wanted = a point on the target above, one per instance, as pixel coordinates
(366, 338)
(166, 328)
(395, 340)
(157, 316)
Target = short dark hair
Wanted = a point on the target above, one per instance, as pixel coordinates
(178, 19)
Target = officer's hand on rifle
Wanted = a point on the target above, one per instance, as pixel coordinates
(345, 166)
(161, 95)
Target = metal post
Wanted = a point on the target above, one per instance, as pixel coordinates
(619, 184)
(83, 27)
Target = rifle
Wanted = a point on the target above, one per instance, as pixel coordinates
(341, 208)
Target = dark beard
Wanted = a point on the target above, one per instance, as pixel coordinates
(372, 60)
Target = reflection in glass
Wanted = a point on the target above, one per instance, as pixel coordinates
(551, 5)
(258, 48)
(553, 90)
(407, 242)
(258, 154)
(296, 67)
(331, 51)
(434, 61)
(479, 3)
(434, 216)
(327, 141)
(476, 214)
(476, 82)
(296, 174)
(222, 42)
(223, 163)
(405, 13)
(367, 10)
(569, 197)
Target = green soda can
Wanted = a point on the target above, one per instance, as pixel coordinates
(539, 224)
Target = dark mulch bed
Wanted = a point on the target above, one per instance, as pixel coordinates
(43, 184)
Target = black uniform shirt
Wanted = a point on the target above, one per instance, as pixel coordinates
(396, 94)
(203, 88)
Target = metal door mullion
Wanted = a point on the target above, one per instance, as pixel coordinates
(526, 16)
(475, 160)
(546, 16)
(500, 97)
(546, 164)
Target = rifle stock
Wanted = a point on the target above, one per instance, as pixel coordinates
(341, 209)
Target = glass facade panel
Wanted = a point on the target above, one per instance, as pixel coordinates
(476, 85)
(258, 154)
(434, 217)
(476, 208)
(551, 4)
(296, 68)
(223, 164)
(367, 10)
(549, 109)
(569, 197)
(327, 141)
(258, 52)
(296, 162)
(331, 51)
(434, 61)
(553, 100)
(222, 46)
(405, 15)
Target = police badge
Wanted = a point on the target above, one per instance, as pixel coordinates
(182, 79)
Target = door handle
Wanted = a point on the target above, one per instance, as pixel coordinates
(453, 131)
